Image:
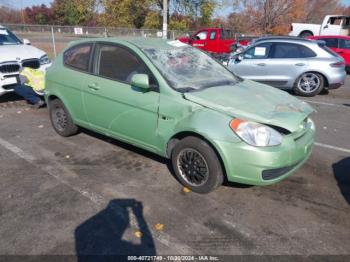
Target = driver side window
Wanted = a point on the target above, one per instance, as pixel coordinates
(120, 64)
(258, 52)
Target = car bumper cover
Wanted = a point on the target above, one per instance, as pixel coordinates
(264, 166)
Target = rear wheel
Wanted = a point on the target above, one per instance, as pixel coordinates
(305, 34)
(197, 165)
(61, 119)
(309, 84)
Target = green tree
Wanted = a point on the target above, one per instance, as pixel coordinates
(153, 20)
(124, 13)
(207, 8)
(73, 12)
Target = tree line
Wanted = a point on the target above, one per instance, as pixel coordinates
(182, 14)
(244, 16)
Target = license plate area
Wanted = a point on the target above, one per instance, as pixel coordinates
(12, 80)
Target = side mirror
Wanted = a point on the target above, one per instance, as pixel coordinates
(140, 81)
(26, 42)
(326, 26)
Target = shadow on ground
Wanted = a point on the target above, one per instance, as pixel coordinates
(341, 171)
(150, 155)
(10, 97)
(100, 238)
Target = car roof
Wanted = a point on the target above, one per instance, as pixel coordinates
(268, 38)
(140, 42)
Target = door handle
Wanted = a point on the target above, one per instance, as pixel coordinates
(299, 64)
(340, 52)
(261, 64)
(93, 86)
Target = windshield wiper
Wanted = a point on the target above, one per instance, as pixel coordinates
(185, 89)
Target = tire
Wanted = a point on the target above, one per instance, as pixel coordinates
(305, 34)
(196, 165)
(309, 84)
(61, 119)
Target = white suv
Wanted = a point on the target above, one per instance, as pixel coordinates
(15, 54)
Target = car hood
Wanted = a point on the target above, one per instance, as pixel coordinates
(19, 52)
(256, 102)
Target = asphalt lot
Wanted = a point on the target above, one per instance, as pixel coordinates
(88, 194)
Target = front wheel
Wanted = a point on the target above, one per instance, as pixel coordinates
(61, 119)
(196, 165)
(309, 84)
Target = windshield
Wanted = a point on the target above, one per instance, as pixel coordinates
(188, 69)
(8, 38)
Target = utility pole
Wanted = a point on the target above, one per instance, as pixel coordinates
(165, 19)
(22, 13)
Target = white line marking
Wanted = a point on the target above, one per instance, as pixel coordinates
(323, 103)
(333, 147)
(51, 170)
(19, 152)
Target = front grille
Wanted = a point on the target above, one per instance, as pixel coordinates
(9, 68)
(32, 63)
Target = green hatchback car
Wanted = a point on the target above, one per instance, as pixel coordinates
(177, 102)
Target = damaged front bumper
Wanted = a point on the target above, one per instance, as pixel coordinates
(266, 165)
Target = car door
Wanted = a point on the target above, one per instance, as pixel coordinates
(252, 63)
(113, 105)
(332, 27)
(287, 62)
(213, 42)
(200, 39)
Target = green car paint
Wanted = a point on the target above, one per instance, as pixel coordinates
(155, 120)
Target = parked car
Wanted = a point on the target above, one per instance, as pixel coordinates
(331, 25)
(304, 66)
(339, 44)
(15, 53)
(213, 40)
(178, 102)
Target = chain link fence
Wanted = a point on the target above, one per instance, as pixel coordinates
(52, 39)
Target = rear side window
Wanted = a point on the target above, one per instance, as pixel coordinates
(306, 52)
(212, 35)
(78, 57)
(288, 50)
(344, 44)
(331, 42)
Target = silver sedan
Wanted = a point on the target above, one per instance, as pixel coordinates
(307, 67)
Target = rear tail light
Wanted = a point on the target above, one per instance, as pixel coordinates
(291, 28)
(338, 64)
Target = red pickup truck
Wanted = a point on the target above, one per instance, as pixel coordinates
(213, 40)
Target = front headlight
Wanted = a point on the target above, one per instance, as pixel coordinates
(44, 60)
(256, 134)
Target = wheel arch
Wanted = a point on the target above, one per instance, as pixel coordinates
(52, 96)
(182, 134)
(306, 31)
